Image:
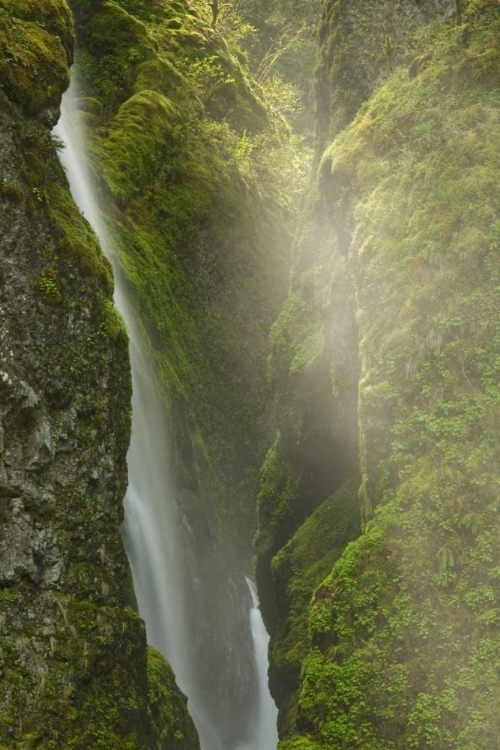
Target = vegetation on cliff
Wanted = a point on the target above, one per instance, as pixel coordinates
(186, 159)
(198, 181)
(403, 644)
(378, 535)
(279, 40)
(73, 669)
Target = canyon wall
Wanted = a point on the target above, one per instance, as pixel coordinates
(75, 671)
(378, 537)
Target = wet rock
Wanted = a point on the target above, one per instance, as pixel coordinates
(30, 552)
(30, 400)
(40, 447)
(6, 387)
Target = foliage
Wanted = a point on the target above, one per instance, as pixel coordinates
(206, 76)
(405, 629)
(168, 706)
(279, 39)
(189, 163)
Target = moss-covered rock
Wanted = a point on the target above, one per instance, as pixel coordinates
(73, 669)
(168, 707)
(203, 248)
(298, 568)
(361, 43)
(405, 630)
(314, 370)
(36, 48)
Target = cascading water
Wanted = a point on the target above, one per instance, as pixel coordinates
(156, 534)
(266, 733)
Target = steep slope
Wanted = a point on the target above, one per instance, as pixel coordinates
(74, 668)
(404, 633)
(360, 45)
(201, 244)
(182, 150)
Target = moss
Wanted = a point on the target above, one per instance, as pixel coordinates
(404, 631)
(137, 144)
(168, 707)
(94, 694)
(46, 286)
(360, 44)
(121, 43)
(10, 193)
(299, 743)
(190, 229)
(130, 48)
(314, 371)
(452, 231)
(298, 568)
(36, 44)
(278, 489)
(297, 336)
(75, 235)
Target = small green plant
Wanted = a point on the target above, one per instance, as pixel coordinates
(38, 195)
(207, 77)
(9, 597)
(46, 286)
(389, 48)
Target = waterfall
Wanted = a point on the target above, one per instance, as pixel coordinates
(266, 734)
(156, 534)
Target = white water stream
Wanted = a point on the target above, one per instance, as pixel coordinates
(152, 533)
(266, 733)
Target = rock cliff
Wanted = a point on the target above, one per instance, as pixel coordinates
(74, 667)
(386, 369)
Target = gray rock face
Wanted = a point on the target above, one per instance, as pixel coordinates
(64, 423)
(28, 550)
(68, 643)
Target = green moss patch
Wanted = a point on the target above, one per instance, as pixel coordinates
(298, 568)
(168, 707)
(36, 41)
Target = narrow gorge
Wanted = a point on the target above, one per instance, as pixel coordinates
(159, 542)
(249, 331)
